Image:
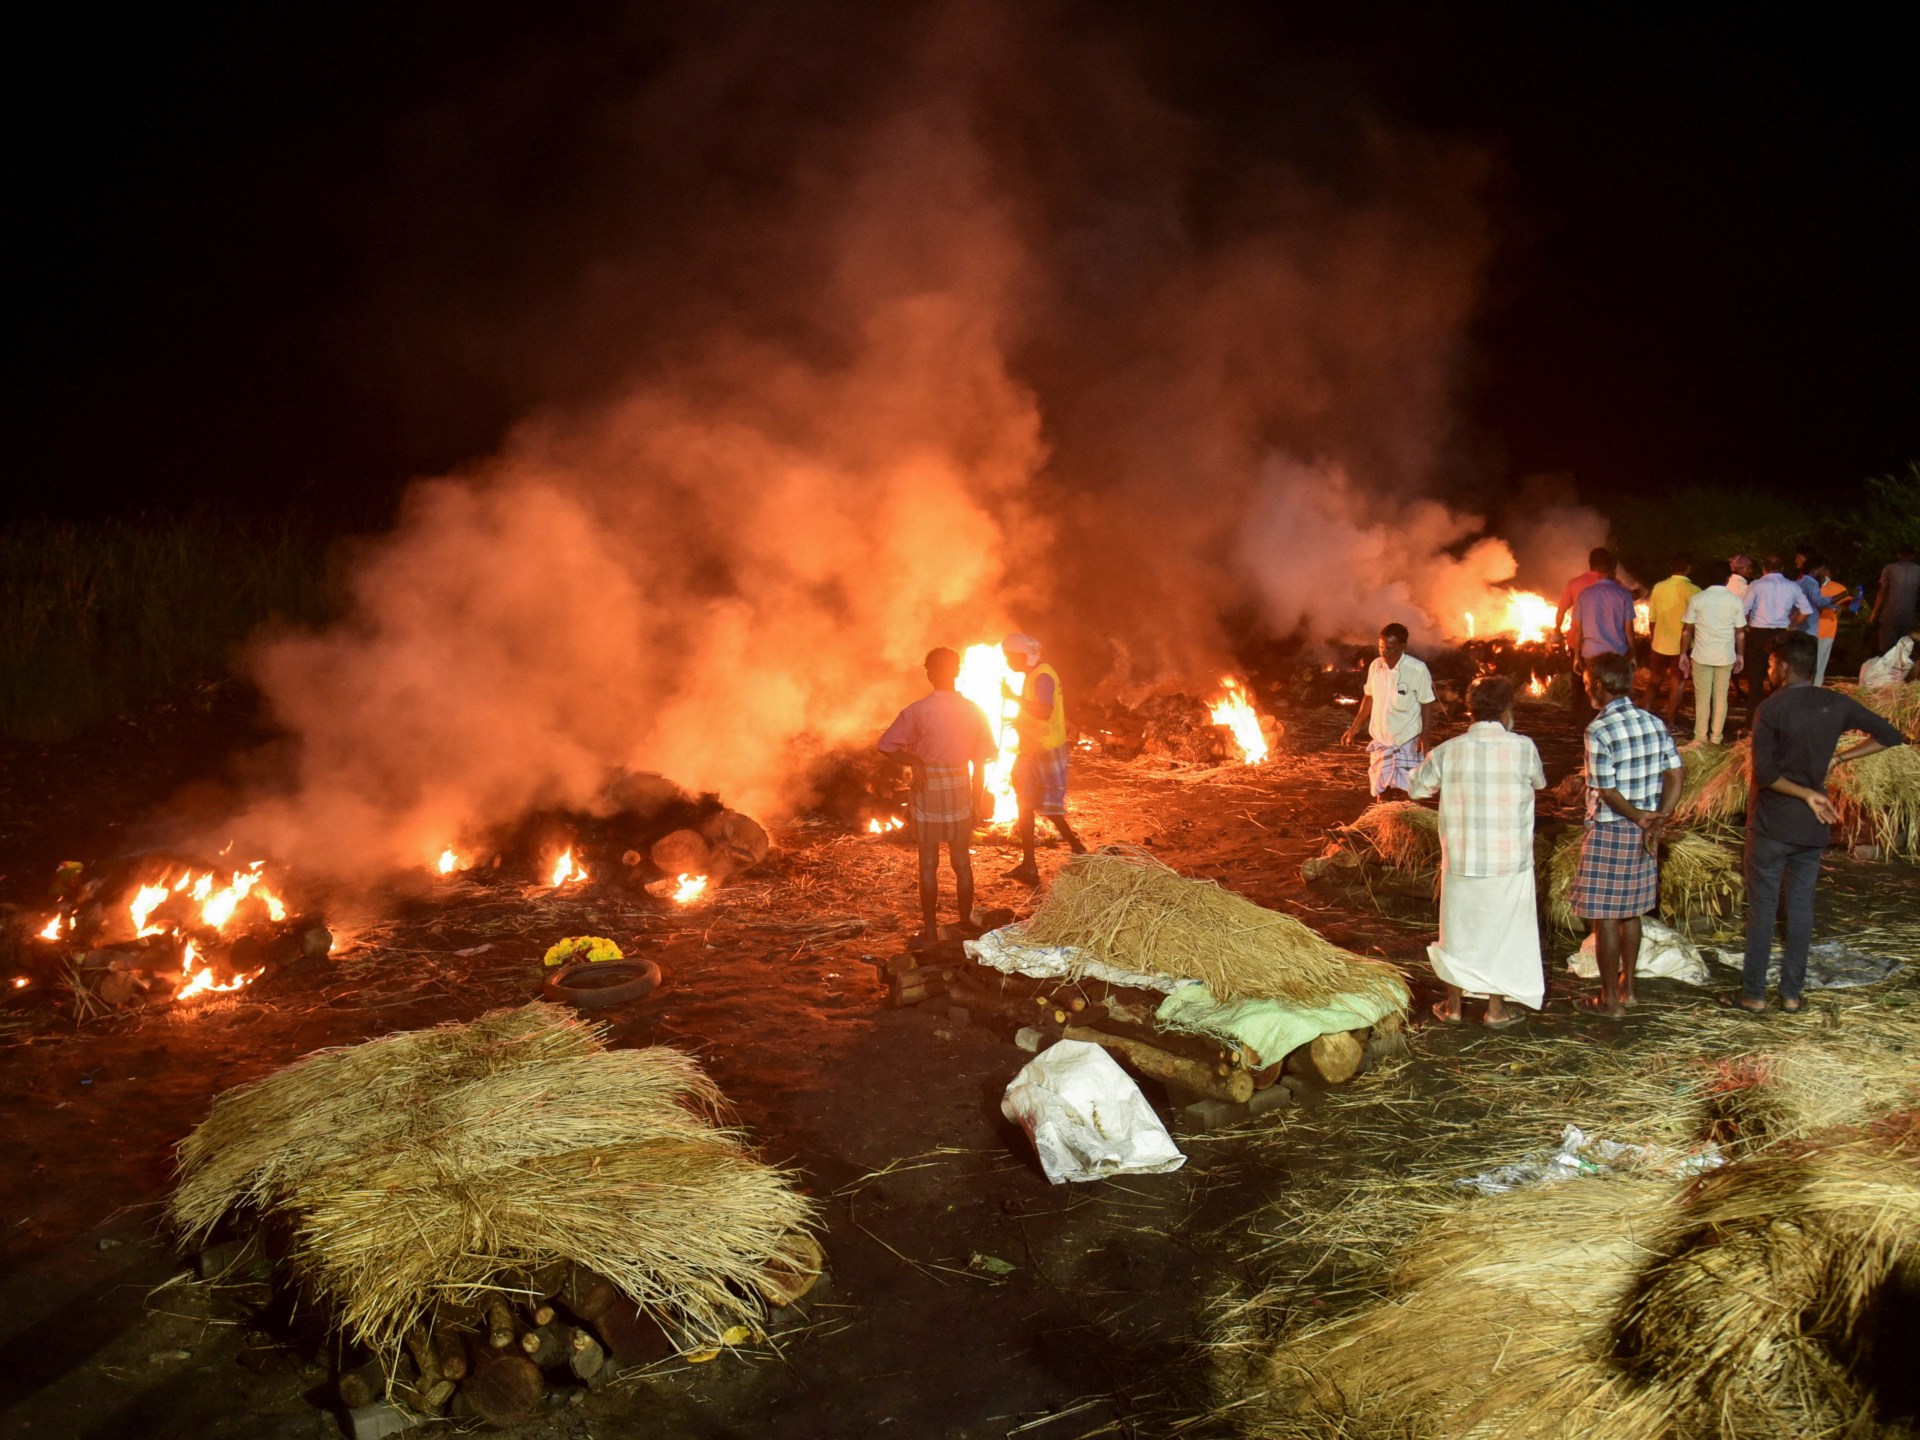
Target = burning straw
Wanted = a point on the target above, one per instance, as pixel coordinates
(1133, 912)
(1405, 836)
(426, 1167)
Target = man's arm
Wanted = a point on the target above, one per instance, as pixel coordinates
(1426, 719)
(1426, 779)
(1880, 732)
(1879, 598)
(1360, 716)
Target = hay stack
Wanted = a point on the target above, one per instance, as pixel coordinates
(1743, 1304)
(1899, 703)
(1701, 880)
(1133, 912)
(1403, 836)
(1714, 786)
(1879, 798)
(424, 1168)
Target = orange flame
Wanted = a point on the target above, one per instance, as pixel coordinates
(1642, 618)
(51, 931)
(887, 826)
(1235, 711)
(565, 871)
(20, 982)
(1536, 687)
(983, 670)
(1525, 617)
(690, 889)
(449, 862)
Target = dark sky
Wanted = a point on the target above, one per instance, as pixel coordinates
(1706, 228)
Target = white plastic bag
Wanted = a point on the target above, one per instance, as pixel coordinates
(1086, 1117)
(1665, 954)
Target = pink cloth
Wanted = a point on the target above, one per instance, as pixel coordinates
(941, 728)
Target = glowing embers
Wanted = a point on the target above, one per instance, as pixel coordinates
(567, 870)
(1536, 687)
(1235, 711)
(1521, 616)
(449, 862)
(689, 888)
(983, 673)
(887, 826)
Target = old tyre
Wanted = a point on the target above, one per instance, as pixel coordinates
(598, 985)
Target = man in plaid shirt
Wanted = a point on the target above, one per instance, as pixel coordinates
(1633, 785)
(1489, 933)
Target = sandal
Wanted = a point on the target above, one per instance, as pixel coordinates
(1441, 1015)
(1593, 1005)
(1793, 1006)
(1502, 1024)
(1734, 1000)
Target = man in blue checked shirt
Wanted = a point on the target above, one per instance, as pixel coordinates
(1633, 785)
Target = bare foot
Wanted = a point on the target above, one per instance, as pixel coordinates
(1597, 1005)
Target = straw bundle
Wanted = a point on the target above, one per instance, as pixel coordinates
(1900, 703)
(1880, 797)
(1701, 879)
(1403, 835)
(1750, 1303)
(1560, 689)
(1714, 786)
(422, 1168)
(1131, 911)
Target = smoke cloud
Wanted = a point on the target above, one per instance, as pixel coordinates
(884, 336)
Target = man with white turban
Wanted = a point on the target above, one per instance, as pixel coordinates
(1040, 768)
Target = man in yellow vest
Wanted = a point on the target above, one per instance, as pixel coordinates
(1040, 769)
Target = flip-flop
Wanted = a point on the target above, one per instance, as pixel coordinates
(1592, 1005)
(1731, 1001)
(1023, 875)
(1507, 1023)
(1439, 1013)
(1794, 1007)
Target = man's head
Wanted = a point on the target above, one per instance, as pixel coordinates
(1022, 652)
(943, 667)
(1792, 658)
(1812, 563)
(1601, 561)
(1680, 563)
(1393, 642)
(1609, 676)
(1491, 698)
(1903, 551)
(1741, 565)
(1773, 564)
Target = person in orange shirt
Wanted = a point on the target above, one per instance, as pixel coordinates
(1832, 591)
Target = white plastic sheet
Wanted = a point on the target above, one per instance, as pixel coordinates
(1665, 954)
(1086, 1117)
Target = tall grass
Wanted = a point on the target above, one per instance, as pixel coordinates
(99, 618)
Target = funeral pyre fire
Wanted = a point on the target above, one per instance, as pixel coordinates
(163, 929)
(1235, 711)
(985, 678)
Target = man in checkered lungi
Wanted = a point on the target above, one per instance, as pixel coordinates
(1633, 785)
(945, 737)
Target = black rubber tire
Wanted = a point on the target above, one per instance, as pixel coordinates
(598, 985)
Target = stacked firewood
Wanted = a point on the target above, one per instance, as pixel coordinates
(724, 845)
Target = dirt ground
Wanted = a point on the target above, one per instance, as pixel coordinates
(891, 1116)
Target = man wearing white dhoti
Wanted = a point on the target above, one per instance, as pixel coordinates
(1489, 934)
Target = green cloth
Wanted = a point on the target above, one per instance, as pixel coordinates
(1267, 1027)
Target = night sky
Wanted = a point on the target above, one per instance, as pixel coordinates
(1707, 230)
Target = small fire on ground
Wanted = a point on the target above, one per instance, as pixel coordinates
(567, 870)
(1235, 711)
(887, 826)
(689, 888)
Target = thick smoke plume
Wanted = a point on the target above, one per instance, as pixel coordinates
(895, 335)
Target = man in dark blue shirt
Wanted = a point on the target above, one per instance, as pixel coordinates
(1795, 731)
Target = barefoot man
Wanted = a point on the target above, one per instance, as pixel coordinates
(1394, 712)
(1489, 931)
(1040, 769)
(942, 736)
(1633, 785)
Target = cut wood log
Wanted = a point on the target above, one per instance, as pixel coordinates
(545, 1346)
(633, 1336)
(426, 1397)
(792, 1271)
(586, 1357)
(905, 995)
(508, 1388)
(366, 1383)
(1235, 1087)
(741, 834)
(419, 1343)
(1330, 1059)
(449, 1350)
(501, 1329)
(681, 852)
(587, 1294)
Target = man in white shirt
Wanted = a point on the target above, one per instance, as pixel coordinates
(1489, 928)
(1775, 605)
(1739, 572)
(1394, 711)
(1710, 639)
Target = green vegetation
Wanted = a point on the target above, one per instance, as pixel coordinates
(98, 618)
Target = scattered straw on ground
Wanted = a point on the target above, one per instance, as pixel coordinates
(421, 1168)
(1133, 912)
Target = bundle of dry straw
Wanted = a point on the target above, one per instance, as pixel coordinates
(1899, 703)
(426, 1167)
(1131, 911)
(1701, 880)
(1713, 790)
(1402, 835)
(1879, 799)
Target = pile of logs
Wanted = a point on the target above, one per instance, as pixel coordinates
(153, 969)
(724, 845)
(495, 1360)
(1121, 1020)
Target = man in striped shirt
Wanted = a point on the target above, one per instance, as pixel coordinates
(1489, 932)
(1633, 785)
